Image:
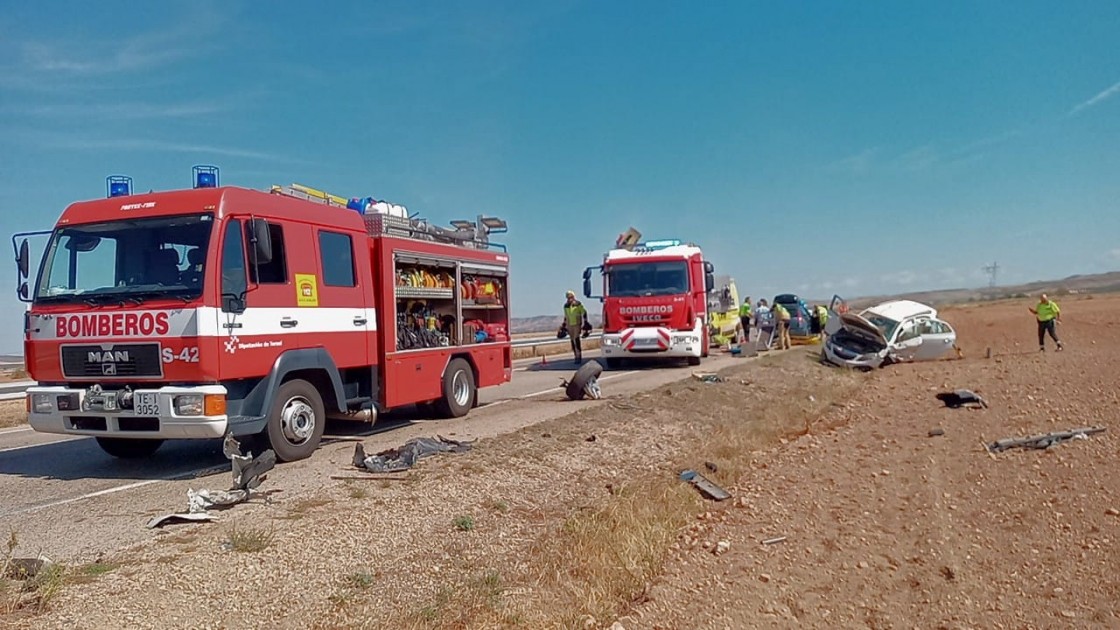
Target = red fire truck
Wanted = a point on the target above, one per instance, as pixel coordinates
(654, 300)
(220, 310)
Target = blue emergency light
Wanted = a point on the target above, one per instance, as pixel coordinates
(205, 176)
(119, 185)
(659, 244)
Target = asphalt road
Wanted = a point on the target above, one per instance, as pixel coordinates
(67, 499)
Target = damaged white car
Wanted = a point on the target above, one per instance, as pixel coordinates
(895, 331)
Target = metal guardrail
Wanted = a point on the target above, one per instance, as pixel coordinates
(544, 341)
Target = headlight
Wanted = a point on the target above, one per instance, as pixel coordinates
(188, 405)
(41, 403)
(609, 341)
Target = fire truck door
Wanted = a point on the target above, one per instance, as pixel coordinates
(343, 313)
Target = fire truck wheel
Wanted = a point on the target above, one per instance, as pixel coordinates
(694, 360)
(296, 423)
(459, 391)
(128, 448)
(614, 364)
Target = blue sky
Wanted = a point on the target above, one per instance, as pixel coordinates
(813, 147)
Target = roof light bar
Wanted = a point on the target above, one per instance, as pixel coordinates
(205, 176)
(118, 185)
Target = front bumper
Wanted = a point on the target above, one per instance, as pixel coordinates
(77, 411)
(839, 355)
(639, 343)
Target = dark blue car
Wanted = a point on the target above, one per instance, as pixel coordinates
(800, 320)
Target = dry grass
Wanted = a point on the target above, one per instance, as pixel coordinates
(23, 593)
(249, 540)
(596, 560)
(13, 413)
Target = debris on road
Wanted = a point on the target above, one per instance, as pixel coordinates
(936, 432)
(585, 382)
(962, 397)
(23, 569)
(704, 485)
(399, 459)
(707, 377)
(1043, 441)
(248, 474)
(774, 541)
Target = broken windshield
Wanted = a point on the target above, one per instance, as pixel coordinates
(639, 279)
(130, 260)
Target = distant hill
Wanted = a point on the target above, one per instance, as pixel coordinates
(1089, 283)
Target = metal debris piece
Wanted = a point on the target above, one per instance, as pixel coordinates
(398, 459)
(707, 377)
(190, 517)
(936, 432)
(23, 568)
(248, 474)
(1045, 440)
(961, 397)
(585, 382)
(704, 485)
(774, 541)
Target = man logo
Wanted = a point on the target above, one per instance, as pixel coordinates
(108, 369)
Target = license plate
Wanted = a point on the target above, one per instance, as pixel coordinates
(146, 404)
(646, 342)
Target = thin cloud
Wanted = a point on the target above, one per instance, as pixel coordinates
(857, 164)
(143, 144)
(1103, 96)
(121, 110)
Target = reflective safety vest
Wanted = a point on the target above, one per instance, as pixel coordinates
(1047, 310)
(745, 309)
(781, 312)
(574, 315)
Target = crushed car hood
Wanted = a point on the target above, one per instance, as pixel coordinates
(862, 328)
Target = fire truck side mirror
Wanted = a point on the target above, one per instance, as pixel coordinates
(23, 291)
(709, 282)
(23, 261)
(260, 241)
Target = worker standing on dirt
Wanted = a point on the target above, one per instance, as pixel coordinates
(745, 318)
(781, 318)
(575, 324)
(1048, 315)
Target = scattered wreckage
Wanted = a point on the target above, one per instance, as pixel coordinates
(248, 474)
(1044, 441)
(401, 459)
(585, 382)
(891, 332)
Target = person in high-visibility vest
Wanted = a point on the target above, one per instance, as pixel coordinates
(576, 324)
(745, 318)
(781, 317)
(1048, 315)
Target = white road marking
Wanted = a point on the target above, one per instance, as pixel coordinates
(36, 508)
(15, 430)
(551, 389)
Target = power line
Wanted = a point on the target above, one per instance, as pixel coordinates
(992, 270)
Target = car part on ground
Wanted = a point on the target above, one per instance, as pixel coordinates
(585, 382)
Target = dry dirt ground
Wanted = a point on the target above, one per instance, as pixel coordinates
(581, 522)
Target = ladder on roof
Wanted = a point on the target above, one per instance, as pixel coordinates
(308, 193)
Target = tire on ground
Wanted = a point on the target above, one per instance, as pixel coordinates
(459, 389)
(588, 371)
(128, 448)
(296, 421)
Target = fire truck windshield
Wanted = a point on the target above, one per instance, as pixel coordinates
(127, 260)
(639, 279)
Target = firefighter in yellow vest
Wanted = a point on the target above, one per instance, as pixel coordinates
(576, 324)
(781, 318)
(1048, 315)
(745, 318)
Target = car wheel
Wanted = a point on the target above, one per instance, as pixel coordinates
(586, 378)
(296, 422)
(129, 448)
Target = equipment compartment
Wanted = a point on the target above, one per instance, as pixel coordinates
(440, 304)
